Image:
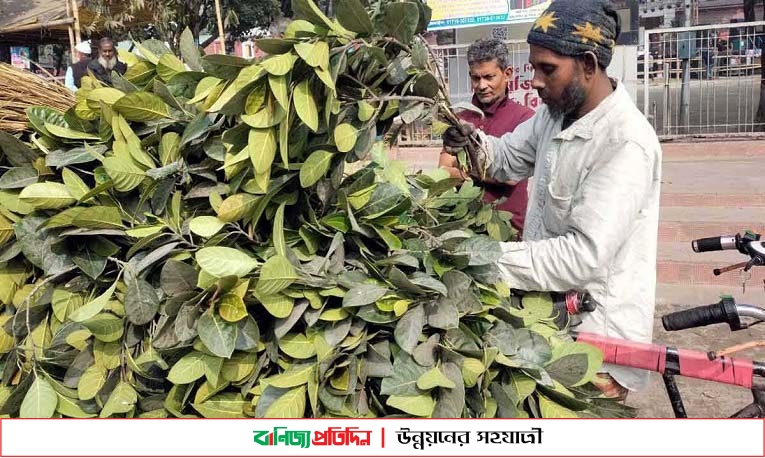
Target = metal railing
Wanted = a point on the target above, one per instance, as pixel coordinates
(703, 81)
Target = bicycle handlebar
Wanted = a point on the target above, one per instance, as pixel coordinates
(714, 244)
(724, 311)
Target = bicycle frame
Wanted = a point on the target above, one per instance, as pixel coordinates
(671, 361)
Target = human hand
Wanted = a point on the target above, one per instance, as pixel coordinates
(450, 163)
(455, 138)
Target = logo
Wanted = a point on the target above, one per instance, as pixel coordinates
(333, 436)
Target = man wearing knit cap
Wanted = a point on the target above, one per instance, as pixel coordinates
(592, 217)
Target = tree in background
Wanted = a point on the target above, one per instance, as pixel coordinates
(749, 16)
(166, 19)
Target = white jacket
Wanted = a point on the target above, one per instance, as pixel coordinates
(592, 218)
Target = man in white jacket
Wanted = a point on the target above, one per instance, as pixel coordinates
(592, 217)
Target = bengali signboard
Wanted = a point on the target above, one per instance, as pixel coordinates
(454, 14)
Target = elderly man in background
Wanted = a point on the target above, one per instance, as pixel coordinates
(77, 70)
(106, 62)
(490, 73)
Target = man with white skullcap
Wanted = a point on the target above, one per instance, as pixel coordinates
(77, 70)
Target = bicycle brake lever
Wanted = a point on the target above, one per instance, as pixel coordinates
(740, 265)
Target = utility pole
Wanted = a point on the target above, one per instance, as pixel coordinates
(685, 89)
(221, 36)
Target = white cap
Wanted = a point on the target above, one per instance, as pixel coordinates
(83, 47)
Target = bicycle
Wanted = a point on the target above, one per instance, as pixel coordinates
(714, 366)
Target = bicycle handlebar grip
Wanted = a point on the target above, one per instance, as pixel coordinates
(721, 312)
(714, 244)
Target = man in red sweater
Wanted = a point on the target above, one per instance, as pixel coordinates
(490, 73)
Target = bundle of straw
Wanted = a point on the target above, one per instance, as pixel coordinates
(20, 89)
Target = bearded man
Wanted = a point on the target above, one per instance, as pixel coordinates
(107, 62)
(592, 217)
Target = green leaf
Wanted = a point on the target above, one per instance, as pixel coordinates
(279, 65)
(434, 378)
(574, 363)
(276, 274)
(48, 195)
(278, 305)
(123, 171)
(297, 346)
(18, 177)
(280, 89)
(274, 45)
(307, 9)
(314, 54)
(141, 106)
(232, 308)
(472, 369)
(363, 295)
(76, 186)
(480, 250)
(305, 105)
(69, 134)
(420, 406)
(40, 401)
(223, 66)
(400, 20)
(223, 261)
(91, 382)
(105, 327)
(345, 137)
(141, 301)
(551, 409)
(296, 375)
(409, 328)
(451, 402)
(315, 167)
(267, 116)
(70, 408)
(79, 155)
(290, 405)
(89, 260)
(206, 226)
(352, 15)
(122, 400)
(169, 66)
(140, 73)
(224, 405)
(93, 307)
(403, 382)
(366, 111)
(16, 151)
(257, 97)
(280, 245)
(188, 369)
(39, 115)
(177, 277)
(262, 149)
(169, 148)
(218, 336)
(237, 207)
(189, 51)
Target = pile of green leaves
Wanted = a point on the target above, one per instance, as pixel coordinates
(189, 243)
